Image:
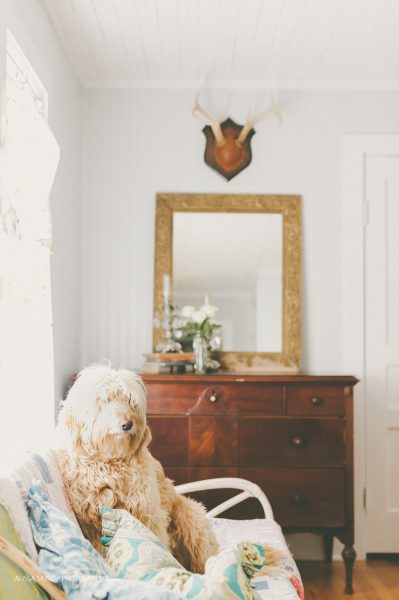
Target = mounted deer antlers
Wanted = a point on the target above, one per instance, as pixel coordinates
(228, 149)
(214, 124)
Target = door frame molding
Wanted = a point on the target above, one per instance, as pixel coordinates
(355, 149)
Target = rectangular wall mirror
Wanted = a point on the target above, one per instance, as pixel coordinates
(244, 252)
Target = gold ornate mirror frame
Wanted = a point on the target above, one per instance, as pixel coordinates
(290, 208)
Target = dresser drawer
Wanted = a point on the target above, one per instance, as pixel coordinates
(302, 497)
(316, 400)
(215, 399)
(291, 442)
(306, 498)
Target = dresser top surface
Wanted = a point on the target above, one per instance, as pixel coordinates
(304, 378)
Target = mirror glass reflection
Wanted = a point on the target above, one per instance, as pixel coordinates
(237, 260)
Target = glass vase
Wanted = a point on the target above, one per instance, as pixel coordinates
(200, 348)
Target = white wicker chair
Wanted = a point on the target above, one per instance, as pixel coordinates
(285, 586)
(268, 588)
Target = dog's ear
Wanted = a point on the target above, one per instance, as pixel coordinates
(71, 427)
(145, 440)
(147, 436)
(137, 392)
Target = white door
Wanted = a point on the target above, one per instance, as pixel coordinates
(382, 352)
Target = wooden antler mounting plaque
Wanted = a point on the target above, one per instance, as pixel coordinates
(231, 157)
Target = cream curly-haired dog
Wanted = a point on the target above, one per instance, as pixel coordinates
(104, 461)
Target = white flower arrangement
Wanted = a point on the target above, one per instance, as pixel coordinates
(190, 320)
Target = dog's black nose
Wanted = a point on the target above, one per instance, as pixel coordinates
(127, 426)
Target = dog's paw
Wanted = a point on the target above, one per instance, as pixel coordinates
(106, 498)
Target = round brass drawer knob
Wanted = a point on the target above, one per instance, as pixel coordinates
(316, 401)
(213, 397)
(297, 441)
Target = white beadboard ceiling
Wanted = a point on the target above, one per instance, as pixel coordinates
(183, 43)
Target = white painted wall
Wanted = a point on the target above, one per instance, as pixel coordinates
(33, 32)
(136, 143)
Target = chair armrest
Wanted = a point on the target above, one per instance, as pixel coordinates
(249, 490)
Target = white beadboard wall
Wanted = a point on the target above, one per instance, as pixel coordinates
(31, 28)
(137, 143)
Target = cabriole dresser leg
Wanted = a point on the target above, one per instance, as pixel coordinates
(349, 555)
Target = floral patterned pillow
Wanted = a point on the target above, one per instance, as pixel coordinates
(134, 552)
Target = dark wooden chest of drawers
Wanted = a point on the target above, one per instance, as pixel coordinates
(292, 435)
